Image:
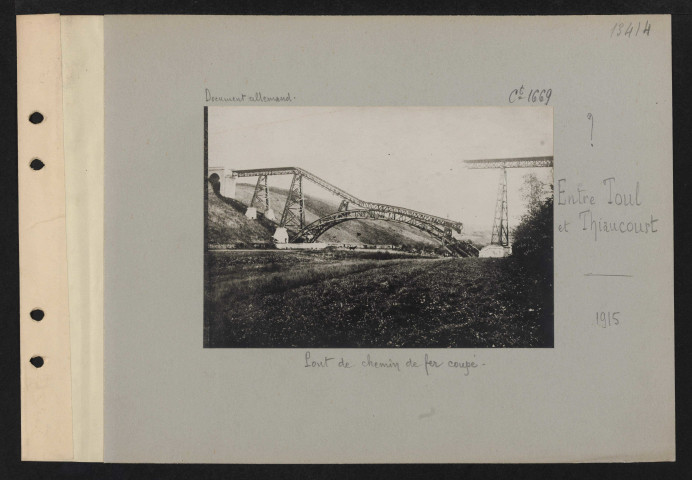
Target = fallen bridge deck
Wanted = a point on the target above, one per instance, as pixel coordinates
(381, 207)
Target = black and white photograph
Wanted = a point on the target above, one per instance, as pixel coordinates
(378, 227)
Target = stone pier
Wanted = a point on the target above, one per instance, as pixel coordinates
(229, 185)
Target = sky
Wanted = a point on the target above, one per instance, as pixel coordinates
(411, 157)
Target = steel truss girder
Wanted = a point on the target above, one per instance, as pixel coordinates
(444, 222)
(500, 232)
(500, 235)
(313, 231)
(294, 210)
(260, 199)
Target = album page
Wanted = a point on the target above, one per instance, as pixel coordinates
(355, 240)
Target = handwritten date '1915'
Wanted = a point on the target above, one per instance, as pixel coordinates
(607, 319)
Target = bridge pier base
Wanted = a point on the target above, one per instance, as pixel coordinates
(495, 251)
(251, 213)
(280, 235)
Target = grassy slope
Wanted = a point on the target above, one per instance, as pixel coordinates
(227, 224)
(299, 301)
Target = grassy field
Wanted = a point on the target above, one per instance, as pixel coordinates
(368, 299)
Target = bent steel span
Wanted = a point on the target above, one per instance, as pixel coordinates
(456, 226)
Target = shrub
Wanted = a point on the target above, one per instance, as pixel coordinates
(533, 237)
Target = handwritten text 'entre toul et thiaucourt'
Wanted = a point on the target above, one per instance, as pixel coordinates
(624, 204)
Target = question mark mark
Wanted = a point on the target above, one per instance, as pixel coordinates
(590, 117)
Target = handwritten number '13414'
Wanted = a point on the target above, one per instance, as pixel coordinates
(629, 30)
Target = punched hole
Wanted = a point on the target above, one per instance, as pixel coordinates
(37, 361)
(36, 118)
(36, 164)
(37, 314)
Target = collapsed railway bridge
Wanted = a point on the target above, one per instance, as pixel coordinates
(351, 208)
